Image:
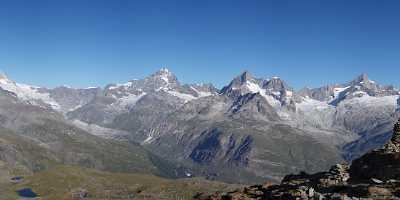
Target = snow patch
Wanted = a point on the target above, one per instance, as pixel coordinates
(367, 100)
(89, 88)
(255, 88)
(309, 104)
(150, 137)
(185, 97)
(337, 91)
(147, 140)
(164, 75)
(201, 93)
(124, 85)
(165, 78)
(129, 100)
(28, 92)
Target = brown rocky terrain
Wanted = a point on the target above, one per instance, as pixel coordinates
(376, 175)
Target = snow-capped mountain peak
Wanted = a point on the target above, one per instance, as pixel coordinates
(165, 75)
(243, 78)
(274, 90)
(242, 84)
(362, 80)
(358, 87)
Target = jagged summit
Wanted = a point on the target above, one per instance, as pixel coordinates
(276, 84)
(274, 90)
(242, 84)
(245, 76)
(361, 79)
(241, 79)
(361, 86)
(164, 75)
(164, 70)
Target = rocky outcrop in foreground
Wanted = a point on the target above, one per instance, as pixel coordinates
(376, 175)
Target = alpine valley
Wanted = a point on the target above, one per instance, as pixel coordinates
(156, 138)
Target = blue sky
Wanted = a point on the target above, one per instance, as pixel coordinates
(94, 42)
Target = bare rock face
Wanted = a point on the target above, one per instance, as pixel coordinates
(376, 165)
(394, 144)
(383, 163)
(374, 176)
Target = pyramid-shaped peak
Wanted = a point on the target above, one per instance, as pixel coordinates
(240, 81)
(244, 76)
(361, 79)
(165, 75)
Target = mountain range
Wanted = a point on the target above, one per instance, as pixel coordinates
(258, 129)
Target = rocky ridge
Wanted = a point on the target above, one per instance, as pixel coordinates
(374, 176)
(258, 126)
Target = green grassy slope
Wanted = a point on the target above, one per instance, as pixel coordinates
(59, 183)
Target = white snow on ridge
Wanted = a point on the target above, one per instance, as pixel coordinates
(125, 85)
(337, 91)
(367, 100)
(322, 114)
(204, 94)
(164, 77)
(147, 140)
(150, 137)
(92, 87)
(255, 88)
(315, 113)
(200, 93)
(309, 104)
(185, 97)
(165, 73)
(28, 92)
(129, 100)
(359, 93)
